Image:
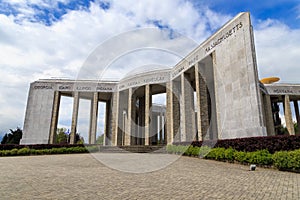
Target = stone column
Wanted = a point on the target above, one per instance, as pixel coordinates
(198, 103)
(269, 115)
(54, 119)
(176, 111)
(160, 127)
(188, 113)
(93, 118)
(74, 118)
(182, 110)
(133, 129)
(169, 114)
(202, 101)
(129, 120)
(115, 121)
(296, 106)
(141, 124)
(148, 103)
(107, 136)
(288, 115)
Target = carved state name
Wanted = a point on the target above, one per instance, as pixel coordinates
(224, 37)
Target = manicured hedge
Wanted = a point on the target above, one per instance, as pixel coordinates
(287, 160)
(63, 150)
(38, 146)
(282, 160)
(270, 143)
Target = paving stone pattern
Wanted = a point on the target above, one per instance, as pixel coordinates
(81, 176)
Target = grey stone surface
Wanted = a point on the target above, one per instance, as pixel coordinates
(81, 176)
(38, 115)
(228, 65)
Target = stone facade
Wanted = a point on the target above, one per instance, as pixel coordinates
(221, 73)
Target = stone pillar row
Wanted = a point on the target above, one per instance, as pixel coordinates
(93, 118)
(288, 115)
(180, 119)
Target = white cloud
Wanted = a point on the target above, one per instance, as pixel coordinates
(298, 11)
(278, 50)
(32, 50)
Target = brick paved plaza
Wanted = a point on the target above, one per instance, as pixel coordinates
(81, 176)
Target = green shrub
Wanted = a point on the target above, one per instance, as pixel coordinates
(287, 160)
(96, 149)
(170, 149)
(281, 159)
(294, 160)
(13, 152)
(216, 154)
(188, 151)
(262, 157)
(195, 151)
(204, 150)
(229, 154)
(240, 156)
(32, 152)
(23, 152)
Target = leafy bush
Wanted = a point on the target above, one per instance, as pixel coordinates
(240, 156)
(23, 152)
(204, 150)
(216, 154)
(262, 157)
(38, 146)
(92, 148)
(281, 160)
(287, 160)
(229, 154)
(251, 144)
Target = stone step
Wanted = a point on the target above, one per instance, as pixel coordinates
(133, 149)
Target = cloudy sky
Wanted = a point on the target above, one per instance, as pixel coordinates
(52, 38)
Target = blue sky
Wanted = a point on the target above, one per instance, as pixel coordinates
(286, 11)
(52, 38)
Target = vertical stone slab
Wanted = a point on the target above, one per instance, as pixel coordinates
(169, 113)
(160, 128)
(176, 88)
(148, 103)
(107, 135)
(133, 135)
(93, 118)
(153, 128)
(129, 120)
(188, 113)
(198, 103)
(141, 122)
(115, 121)
(296, 106)
(54, 118)
(203, 104)
(182, 109)
(268, 115)
(39, 111)
(288, 115)
(74, 117)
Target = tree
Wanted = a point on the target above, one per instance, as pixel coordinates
(296, 127)
(61, 137)
(79, 139)
(13, 137)
(100, 139)
(283, 129)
